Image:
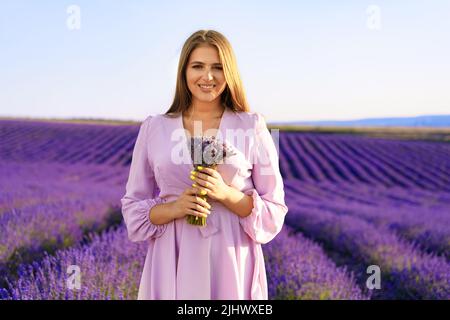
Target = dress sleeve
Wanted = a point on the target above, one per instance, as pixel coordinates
(141, 192)
(269, 208)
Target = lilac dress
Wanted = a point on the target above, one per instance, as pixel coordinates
(224, 259)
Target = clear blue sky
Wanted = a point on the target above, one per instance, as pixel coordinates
(299, 60)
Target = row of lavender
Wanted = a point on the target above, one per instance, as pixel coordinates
(427, 275)
(340, 159)
(67, 143)
(305, 156)
(44, 207)
(110, 268)
(51, 204)
(419, 216)
(407, 271)
(403, 229)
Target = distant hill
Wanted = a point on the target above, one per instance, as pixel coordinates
(419, 121)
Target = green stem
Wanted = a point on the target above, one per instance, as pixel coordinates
(195, 220)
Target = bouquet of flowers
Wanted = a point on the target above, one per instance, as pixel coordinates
(206, 152)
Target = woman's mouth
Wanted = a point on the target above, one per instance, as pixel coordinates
(206, 87)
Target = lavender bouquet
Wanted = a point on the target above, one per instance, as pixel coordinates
(206, 152)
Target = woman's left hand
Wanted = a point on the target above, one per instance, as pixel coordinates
(210, 181)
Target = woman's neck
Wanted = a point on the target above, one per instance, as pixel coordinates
(204, 110)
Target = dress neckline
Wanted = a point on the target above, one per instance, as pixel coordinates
(219, 129)
(188, 141)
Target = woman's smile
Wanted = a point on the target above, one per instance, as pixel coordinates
(206, 88)
(204, 75)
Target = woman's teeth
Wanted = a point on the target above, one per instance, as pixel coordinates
(207, 86)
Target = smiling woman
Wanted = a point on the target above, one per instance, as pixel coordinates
(222, 259)
(206, 82)
(207, 58)
(202, 74)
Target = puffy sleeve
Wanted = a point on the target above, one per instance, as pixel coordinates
(269, 208)
(141, 192)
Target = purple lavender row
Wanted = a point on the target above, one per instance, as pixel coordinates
(427, 226)
(405, 172)
(111, 266)
(419, 226)
(35, 174)
(357, 167)
(298, 269)
(312, 157)
(377, 196)
(394, 194)
(429, 170)
(59, 224)
(409, 273)
(341, 168)
(322, 157)
(30, 141)
(50, 208)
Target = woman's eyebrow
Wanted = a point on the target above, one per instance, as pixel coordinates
(199, 62)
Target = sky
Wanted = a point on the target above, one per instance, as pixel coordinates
(299, 60)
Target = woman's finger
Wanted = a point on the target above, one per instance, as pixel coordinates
(202, 176)
(196, 213)
(201, 190)
(203, 184)
(190, 191)
(199, 207)
(202, 209)
(201, 202)
(209, 171)
(193, 191)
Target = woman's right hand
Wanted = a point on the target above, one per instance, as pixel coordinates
(190, 203)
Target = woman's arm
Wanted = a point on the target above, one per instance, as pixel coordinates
(141, 193)
(269, 209)
(162, 213)
(238, 202)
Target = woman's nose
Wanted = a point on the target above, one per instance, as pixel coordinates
(209, 75)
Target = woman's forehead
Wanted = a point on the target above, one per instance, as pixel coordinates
(206, 55)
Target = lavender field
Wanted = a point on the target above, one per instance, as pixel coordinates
(354, 201)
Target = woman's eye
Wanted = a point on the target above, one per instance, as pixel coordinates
(196, 67)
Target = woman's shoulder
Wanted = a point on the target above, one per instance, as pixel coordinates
(157, 118)
(253, 118)
(154, 123)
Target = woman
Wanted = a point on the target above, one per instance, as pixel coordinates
(245, 207)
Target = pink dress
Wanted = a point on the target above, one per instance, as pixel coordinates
(224, 259)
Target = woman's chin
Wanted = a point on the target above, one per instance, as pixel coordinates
(205, 97)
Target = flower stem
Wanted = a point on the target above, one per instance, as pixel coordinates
(195, 220)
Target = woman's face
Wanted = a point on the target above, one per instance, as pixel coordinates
(204, 74)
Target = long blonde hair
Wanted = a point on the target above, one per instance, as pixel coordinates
(233, 97)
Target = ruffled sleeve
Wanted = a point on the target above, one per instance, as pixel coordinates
(269, 208)
(141, 192)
